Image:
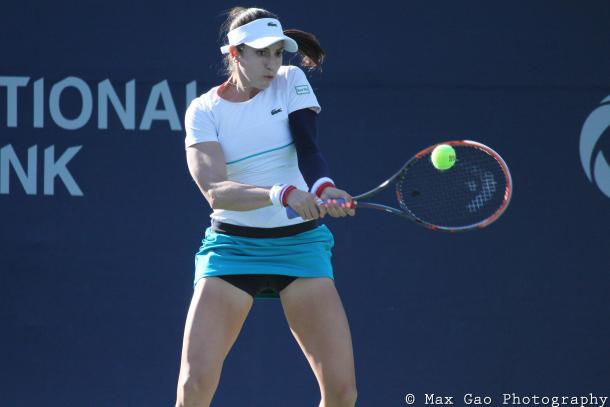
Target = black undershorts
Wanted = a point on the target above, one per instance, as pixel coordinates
(260, 285)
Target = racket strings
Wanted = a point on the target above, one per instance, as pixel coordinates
(468, 193)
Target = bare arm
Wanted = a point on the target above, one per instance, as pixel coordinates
(208, 168)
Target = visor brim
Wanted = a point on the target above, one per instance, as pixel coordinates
(290, 45)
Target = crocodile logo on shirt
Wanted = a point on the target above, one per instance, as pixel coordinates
(271, 24)
(276, 111)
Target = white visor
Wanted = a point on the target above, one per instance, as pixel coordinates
(260, 34)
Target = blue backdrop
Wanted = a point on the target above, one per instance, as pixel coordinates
(99, 219)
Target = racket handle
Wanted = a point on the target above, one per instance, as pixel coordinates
(292, 214)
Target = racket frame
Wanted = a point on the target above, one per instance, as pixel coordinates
(404, 211)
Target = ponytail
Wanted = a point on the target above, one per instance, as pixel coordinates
(312, 54)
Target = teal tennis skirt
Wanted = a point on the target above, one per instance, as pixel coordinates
(306, 254)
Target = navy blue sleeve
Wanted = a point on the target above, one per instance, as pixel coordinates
(304, 129)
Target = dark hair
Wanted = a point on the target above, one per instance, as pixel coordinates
(310, 50)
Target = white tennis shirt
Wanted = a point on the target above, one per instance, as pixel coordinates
(255, 138)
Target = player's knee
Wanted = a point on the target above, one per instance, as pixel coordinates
(341, 395)
(200, 381)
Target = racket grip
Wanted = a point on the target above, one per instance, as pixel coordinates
(292, 214)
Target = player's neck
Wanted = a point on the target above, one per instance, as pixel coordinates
(235, 90)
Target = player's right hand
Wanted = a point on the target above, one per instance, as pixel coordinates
(305, 204)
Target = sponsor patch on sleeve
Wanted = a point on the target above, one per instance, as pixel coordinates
(302, 89)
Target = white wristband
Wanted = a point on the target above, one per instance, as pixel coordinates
(318, 183)
(275, 194)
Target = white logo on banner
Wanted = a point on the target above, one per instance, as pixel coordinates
(38, 97)
(593, 161)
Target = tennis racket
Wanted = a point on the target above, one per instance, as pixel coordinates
(470, 195)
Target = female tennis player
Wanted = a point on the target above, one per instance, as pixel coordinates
(251, 149)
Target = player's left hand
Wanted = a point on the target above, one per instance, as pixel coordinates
(335, 209)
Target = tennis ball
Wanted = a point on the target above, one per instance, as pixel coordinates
(443, 157)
